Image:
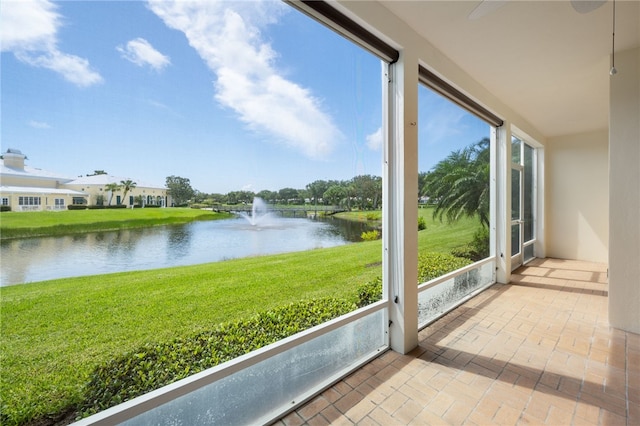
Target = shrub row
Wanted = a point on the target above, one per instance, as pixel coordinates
(434, 265)
(477, 249)
(94, 207)
(430, 266)
(370, 235)
(155, 365)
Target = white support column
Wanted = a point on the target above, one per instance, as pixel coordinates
(400, 215)
(503, 203)
(624, 192)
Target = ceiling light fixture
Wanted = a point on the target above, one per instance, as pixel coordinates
(613, 70)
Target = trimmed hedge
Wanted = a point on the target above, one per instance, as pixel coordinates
(77, 207)
(370, 235)
(5, 208)
(369, 292)
(477, 249)
(434, 265)
(155, 365)
(430, 266)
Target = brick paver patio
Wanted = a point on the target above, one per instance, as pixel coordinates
(536, 351)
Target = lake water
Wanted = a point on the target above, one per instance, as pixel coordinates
(39, 259)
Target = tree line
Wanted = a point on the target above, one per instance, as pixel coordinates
(456, 186)
(361, 192)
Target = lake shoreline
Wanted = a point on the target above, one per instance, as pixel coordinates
(34, 259)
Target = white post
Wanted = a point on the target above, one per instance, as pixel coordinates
(400, 211)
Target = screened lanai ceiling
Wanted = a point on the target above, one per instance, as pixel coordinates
(542, 58)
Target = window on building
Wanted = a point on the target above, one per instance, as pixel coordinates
(59, 202)
(29, 201)
(5, 201)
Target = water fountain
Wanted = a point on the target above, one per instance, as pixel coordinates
(259, 212)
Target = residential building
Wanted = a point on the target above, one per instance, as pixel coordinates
(143, 193)
(26, 188)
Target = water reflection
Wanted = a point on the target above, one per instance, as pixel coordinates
(179, 241)
(38, 259)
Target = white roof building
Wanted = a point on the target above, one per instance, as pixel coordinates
(25, 188)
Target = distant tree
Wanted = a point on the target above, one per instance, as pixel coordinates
(127, 185)
(289, 196)
(217, 198)
(368, 190)
(236, 197)
(335, 194)
(198, 197)
(459, 184)
(317, 189)
(180, 189)
(246, 196)
(423, 179)
(98, 172)
(268, 196)
(112, 188)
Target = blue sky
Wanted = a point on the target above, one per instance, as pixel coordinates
(232, 95)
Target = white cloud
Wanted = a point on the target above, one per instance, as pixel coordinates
(374, 140)
(227, 36)
(28, 28)
(39, 124)
(141, 52)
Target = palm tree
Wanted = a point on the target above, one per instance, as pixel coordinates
(459, 184)
(127, 185)
(111, 187)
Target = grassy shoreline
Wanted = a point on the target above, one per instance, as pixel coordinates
(15, 225)
(83, 322)
(54, 333)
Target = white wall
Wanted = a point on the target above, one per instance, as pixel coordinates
(624, 187)
(577, 197)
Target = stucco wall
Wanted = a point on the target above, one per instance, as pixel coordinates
(624, 178)
(577, 197)
(8, 180)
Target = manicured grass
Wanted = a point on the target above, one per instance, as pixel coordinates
(54, 333)
(440, 237)
(35, 224)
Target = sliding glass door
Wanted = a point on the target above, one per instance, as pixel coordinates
(523, 202)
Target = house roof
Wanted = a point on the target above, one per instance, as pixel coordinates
(543, 59)
(4, 189)
(31, 172)
(105, 179)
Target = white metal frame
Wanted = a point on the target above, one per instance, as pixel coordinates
(151, 400)
(518, 259)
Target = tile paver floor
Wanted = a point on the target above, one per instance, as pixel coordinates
(536, 351)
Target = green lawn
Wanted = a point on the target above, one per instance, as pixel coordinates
(440, 237)
(54, 333)
(33, 224)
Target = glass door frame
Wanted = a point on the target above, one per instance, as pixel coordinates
(524, 251)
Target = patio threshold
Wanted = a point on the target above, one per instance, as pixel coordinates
(536, 351)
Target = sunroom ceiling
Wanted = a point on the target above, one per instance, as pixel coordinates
(542, 58)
